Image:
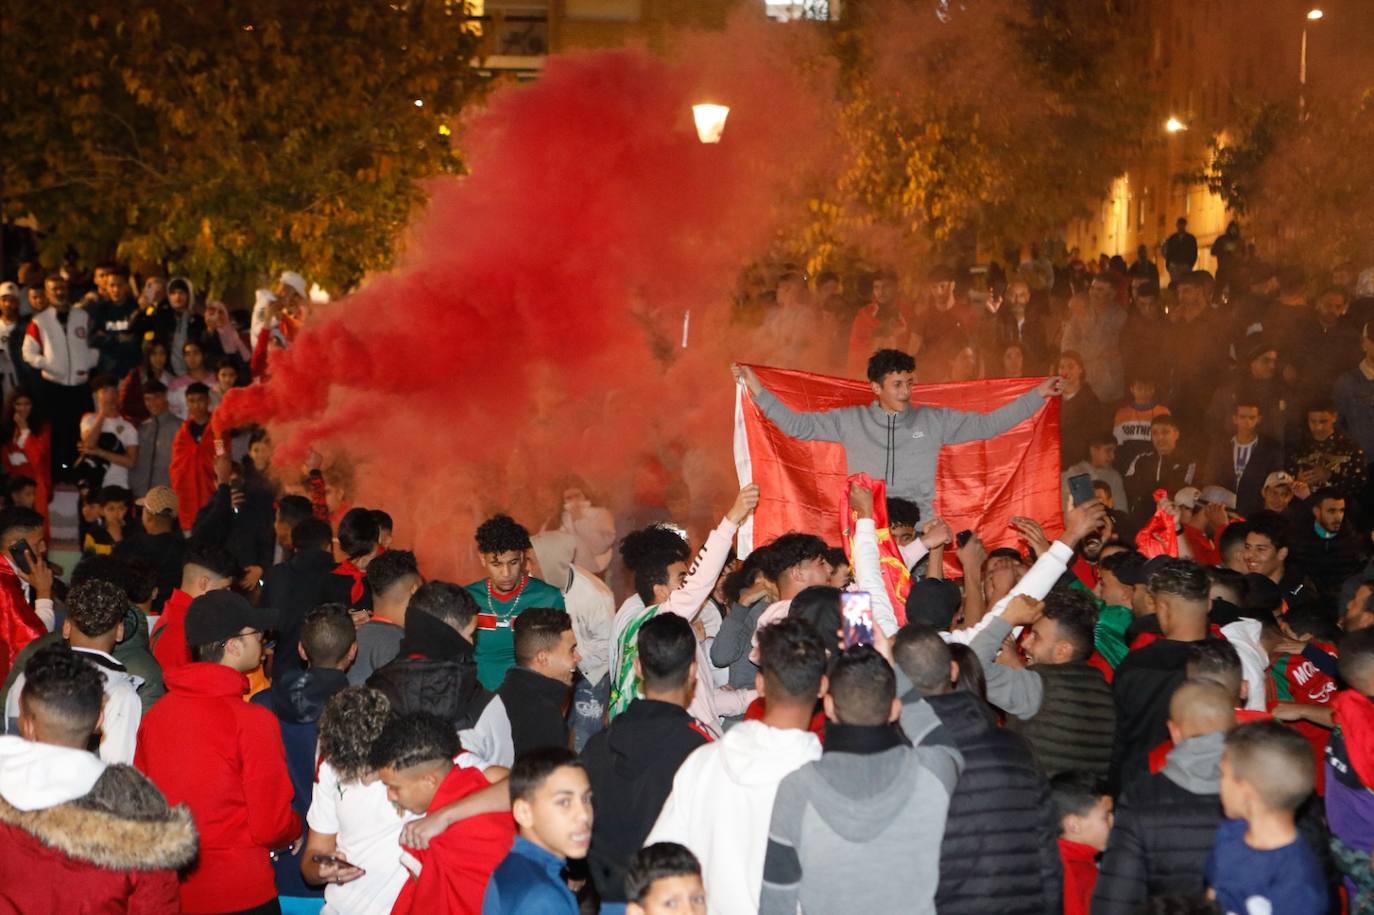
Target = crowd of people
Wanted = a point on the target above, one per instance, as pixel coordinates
(248, 696)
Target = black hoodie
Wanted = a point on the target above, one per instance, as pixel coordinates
(631, 766)
(435, 671)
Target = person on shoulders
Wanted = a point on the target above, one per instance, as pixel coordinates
(890, 439)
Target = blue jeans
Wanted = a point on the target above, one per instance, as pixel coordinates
(589, 709)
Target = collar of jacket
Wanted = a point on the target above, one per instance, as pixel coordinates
(545, 859)
(204, 679)
(312, 560)
(963, 713)
(529, 681)
(861, 739)
(433, 638)
(126, 830)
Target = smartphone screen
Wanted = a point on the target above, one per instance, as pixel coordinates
(1081, 489)
(19, 555)
(856, 615)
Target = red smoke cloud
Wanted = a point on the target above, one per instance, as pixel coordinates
(532, 327)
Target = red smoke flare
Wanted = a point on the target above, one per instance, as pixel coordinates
(532, 328)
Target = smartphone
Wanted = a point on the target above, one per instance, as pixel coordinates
(1081, 489)
(330, 859)
(963, 537)
(19, 555)
(856, 615)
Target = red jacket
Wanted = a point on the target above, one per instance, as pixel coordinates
(1080, 876)
(457, 866)
(223, 757)
(192, 472)
(96, 860)
(168, 637)
(19, 624)
(36, 464)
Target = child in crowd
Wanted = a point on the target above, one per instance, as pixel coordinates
(1259, 862)
(665, 879)
(1084, 809)
(551, 800)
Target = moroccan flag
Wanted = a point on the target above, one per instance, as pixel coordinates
(896, 576)
(979, 486)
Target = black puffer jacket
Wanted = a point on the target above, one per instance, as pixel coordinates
(1143, 685)
(1165, 825)
(631, 765)
(1000, 855)
(1076, 722)
(435, 671)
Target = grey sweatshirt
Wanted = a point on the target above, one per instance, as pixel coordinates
(901, 449)
(733, 641)
(844, 825)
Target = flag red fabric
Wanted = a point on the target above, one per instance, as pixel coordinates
(896, 576)
(979, 486)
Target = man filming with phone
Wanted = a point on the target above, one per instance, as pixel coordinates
(26, 608)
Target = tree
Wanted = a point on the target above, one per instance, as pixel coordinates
(230, 139)
(963, 119)
(1234, 167)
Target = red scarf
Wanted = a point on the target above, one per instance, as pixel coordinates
(1158, 538)
(1355, 718)
(348, 568)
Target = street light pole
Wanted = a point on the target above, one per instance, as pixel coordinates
(1313, 15)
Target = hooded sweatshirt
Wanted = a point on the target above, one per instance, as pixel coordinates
(631, 766)
(435, 672)
(590, 603)
(1164, 828)
(298, 698)
(722, 803)
(842, 826)
(74, 829)
(901, 449)
(223, 757)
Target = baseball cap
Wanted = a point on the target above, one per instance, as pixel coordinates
(9, 289)
(933, 601)
(295, 281)
(160, 500)
(1218, 495)
(1187, 497)
(220, 615)
(1278, 478)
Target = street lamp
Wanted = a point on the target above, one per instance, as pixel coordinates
(1313, 15)
(1174, 125)
(710, 121)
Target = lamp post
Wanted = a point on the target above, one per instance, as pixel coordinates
(1313, 15)
(710, 121)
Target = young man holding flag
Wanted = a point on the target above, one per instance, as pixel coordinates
(889, 439)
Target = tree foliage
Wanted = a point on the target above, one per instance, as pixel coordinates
(1235, 163)
(974, 119)
(234, 137)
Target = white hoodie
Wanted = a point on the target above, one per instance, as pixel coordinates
(722, 803)
(36, 776)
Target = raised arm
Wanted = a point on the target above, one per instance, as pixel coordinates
(813, 427)
(1015, 690)
(687, 601)
(1048, 568)
(868, 570)
(958, 426)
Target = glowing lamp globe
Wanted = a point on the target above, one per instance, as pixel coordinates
(710, 120)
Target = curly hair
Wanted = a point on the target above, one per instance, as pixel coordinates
(502, 534)
(792, 549)
(653, 541)
(350, 725)
(95, 607)
(887, 361)
(412, 740)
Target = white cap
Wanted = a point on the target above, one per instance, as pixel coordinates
(9, 289)
(1278, 478)
(263, 297)
(1218, 495)
(1187, 497)
(295, 281)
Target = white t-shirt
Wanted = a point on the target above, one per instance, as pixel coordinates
(367, 830)
(126, 432)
